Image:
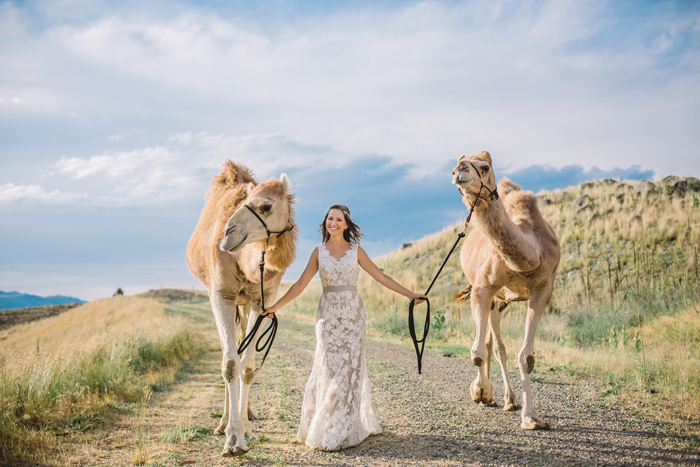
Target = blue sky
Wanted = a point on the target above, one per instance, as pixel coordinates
(114, 116)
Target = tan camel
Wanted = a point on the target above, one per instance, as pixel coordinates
(224, 255)
(511, 255)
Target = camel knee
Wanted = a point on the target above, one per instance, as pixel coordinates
(248, 375)
(479, 355)
(527, 362)
(228, 369)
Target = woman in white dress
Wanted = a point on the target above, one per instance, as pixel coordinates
(337, 409)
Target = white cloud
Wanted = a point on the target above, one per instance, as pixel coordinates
(117, 165)
(11, 193)
(525, 80)
(534, 83)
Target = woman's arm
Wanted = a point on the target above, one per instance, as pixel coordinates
(299, 286)
(382, 278)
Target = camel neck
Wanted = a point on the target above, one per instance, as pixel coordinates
(491, 218)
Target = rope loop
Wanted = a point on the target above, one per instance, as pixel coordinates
(412, 331)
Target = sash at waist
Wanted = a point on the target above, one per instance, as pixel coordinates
(340, 288)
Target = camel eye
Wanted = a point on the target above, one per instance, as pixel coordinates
(265, 208)
(485, 170)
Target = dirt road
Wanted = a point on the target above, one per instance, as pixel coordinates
(427, 419)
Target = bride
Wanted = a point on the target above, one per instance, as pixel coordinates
(337, 409)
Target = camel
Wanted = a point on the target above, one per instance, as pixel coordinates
(511, 255)
(224, 254)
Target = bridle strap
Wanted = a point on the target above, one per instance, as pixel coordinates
(269, 232)
(494, 193)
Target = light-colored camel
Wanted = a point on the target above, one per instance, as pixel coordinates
(224, 255)
(512, 254)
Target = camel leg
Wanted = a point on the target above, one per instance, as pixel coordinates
(248, 365)
(526, 357)
(502, 357)
(221, 429)
(224, 310)
(481, 388)
(489, 350)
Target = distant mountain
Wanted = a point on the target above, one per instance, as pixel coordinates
(11, 300)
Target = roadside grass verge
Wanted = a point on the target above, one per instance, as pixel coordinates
(65, 373)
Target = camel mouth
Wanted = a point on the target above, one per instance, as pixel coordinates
(457, 180)
(228, 245)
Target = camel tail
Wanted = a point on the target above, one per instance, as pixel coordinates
(464, 295)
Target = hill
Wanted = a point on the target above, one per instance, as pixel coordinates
(12, 300)
(625, 304)
(628, 249)
(15, 316)
(626, 297)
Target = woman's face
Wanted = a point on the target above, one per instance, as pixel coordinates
(335, 223)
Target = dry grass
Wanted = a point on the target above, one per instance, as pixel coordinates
(94, 321)
(62, 374)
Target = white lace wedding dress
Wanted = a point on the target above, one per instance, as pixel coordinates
(337, 409)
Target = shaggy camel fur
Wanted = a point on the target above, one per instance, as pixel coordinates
(511, 255)
(224, 255)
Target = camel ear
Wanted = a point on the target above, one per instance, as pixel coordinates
(286, 184)
(462, 157)
(485, 156)
(249, 187)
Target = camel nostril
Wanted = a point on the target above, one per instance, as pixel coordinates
(230, 229)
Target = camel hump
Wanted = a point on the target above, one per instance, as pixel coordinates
(506, 187)
(233, 174)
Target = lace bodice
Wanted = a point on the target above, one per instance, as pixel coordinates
(334, 272)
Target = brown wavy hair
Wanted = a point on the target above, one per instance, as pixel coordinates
(352, 234)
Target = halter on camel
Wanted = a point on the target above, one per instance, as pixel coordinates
(272, 329)
(411, 325)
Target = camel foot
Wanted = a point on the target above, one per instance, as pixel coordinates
(251, 415)
(511, 407)
(483, 395)
(233, 452)
(220, 431)
(532, 423)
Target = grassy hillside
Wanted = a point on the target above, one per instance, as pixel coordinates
(14, 316)
(67, 372)
(626, 300)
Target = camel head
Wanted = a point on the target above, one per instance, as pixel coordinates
(471, 172)
(271, 201)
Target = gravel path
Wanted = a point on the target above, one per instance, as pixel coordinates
(427, 419)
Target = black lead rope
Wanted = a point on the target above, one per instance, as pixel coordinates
(426, 327)
(266, 345)
(272, 328)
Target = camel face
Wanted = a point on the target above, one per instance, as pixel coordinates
(270, 203)
(471, 172)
